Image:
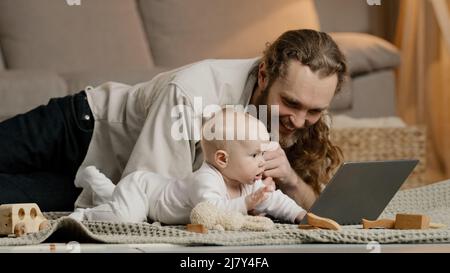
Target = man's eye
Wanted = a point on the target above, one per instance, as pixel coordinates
(315, 112)
(289, 103)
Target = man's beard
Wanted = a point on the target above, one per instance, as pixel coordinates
(286, 141)
(291, 139)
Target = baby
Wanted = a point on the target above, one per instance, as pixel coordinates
(229, 178)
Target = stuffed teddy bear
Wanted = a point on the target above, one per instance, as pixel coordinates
(212, 217)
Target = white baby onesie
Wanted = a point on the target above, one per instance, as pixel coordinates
(144, 195)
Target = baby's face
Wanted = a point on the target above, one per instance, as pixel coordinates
(249, 140)
(246, 161)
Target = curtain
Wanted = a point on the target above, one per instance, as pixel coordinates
(423, 91)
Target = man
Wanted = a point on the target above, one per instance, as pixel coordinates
(132, 128)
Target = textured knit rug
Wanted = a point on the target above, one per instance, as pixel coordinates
(433, 200)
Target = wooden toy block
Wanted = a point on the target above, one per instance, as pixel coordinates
(403, 221)
(437, 225)
(321, 222)
(381, 223)
(412, 221)
(197, 228)
(20, 219)
(307, 227)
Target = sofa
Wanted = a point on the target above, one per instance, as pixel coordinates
(51, 48)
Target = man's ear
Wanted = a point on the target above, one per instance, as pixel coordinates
(262, 76)
(221, 158)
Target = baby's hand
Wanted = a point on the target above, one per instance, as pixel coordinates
(300, 216)
(259, 196)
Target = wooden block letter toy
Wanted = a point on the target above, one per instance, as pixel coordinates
(321, 222)
(198, 228)
(412, 221)
(20, 219)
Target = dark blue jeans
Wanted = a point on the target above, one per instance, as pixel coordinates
(41, 150)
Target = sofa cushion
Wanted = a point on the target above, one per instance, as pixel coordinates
(77, 81)
(180, 32)
(366, 53)
(21, 91)
(50, 34)
(346, 15)
(343, 100)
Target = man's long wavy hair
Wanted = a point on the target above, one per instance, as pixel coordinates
(313, 156)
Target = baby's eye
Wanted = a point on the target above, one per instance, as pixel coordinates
(254, 155)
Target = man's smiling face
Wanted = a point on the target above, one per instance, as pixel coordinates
(302, 96)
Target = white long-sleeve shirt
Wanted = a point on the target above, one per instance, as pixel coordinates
(133, 124)
(142, 195)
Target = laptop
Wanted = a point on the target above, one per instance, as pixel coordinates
(361, 190)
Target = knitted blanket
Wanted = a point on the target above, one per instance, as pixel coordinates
(433, 200)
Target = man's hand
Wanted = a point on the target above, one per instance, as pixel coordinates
(259, 196)
(287, 180)
(278, 167)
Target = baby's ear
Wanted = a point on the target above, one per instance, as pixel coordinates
(221, 158)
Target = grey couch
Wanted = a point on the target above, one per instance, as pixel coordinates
(49, 48)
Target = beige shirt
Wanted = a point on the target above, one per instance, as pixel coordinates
(133, 124)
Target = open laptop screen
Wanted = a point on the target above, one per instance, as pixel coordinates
(361, 190)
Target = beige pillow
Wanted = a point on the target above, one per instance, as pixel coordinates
(345, 15)
(50, 34)
(23, 90)
(180, 32)
(366, 53)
